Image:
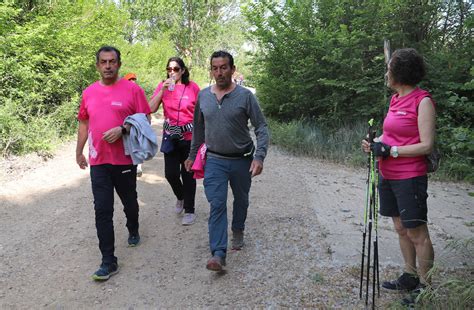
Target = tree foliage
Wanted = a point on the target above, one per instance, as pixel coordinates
(49, 49)
(322, 61)
(47, 58)
(196, 28)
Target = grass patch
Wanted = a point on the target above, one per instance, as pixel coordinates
(342, 145)
(317, 278)
(456, 290)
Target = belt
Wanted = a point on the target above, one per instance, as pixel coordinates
(184, 128)
(234, 155)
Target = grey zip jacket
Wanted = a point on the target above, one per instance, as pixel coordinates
(223, 125)
(141, 144)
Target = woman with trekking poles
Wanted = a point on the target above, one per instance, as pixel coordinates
(408, 137)
(179, 96)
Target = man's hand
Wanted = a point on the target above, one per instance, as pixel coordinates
(112, 134)
(81, 161)
(256, 167)
(188, 163)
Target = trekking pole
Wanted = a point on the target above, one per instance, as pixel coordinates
(368, 217)
(369, 243)
(376, 221)
(366, 209)
(372, 221)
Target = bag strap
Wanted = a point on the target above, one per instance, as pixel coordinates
(179, 104)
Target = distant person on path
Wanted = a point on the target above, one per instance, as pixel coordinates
(221, 121)
(178, 95)
(408, 136)
(132, 77)
(105, 105)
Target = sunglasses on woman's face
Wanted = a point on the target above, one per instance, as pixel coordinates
(175, 69)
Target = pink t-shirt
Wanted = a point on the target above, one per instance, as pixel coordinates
(107, 107)
(400, 127)
(171, 104)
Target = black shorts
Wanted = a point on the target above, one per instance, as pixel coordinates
(405, 198)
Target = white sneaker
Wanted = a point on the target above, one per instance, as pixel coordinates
(179, 206)
(139, 170)
(188, 219)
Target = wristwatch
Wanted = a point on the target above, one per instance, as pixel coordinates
(124, 130)
(394, 151)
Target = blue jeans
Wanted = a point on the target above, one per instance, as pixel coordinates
(218, 173)
(104, 179)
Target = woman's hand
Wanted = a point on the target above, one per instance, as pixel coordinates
(365, 145)
(167, 83)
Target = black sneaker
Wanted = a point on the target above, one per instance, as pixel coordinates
(105, 272)
(237, 239)
(406, 282)
(133, 239)
(411, 299)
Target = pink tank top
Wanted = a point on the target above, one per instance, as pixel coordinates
(400, 127)
(182, 99)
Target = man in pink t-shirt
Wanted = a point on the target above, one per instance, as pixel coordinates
(105, 105)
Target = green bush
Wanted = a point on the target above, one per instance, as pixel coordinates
(22, 134)
(324, 64)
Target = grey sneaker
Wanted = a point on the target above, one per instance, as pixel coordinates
(237, 239)
(188, 219)
(179, 206)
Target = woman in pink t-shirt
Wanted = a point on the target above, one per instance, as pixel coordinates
(179, 96)
(408, 136)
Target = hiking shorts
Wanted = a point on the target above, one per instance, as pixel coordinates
(405, 198)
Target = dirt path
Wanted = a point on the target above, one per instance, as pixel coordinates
(302, 244)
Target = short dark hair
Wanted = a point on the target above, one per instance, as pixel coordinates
(407, 67)
(185, 76)
(107, 48)
(223, 54)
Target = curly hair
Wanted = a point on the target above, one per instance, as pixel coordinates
(407, 67)
(180, 62)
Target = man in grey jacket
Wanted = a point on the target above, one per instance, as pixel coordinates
(221, 120)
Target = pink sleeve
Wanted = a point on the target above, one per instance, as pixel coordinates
(142, 105)
(158, 88)
(82, 115)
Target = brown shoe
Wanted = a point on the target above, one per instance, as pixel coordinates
(215, 263)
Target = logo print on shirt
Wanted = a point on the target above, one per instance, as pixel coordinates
(401, 112)
(185, 97)
(116, 103)
(92, 150)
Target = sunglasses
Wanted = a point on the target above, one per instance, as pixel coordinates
(175, 69)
